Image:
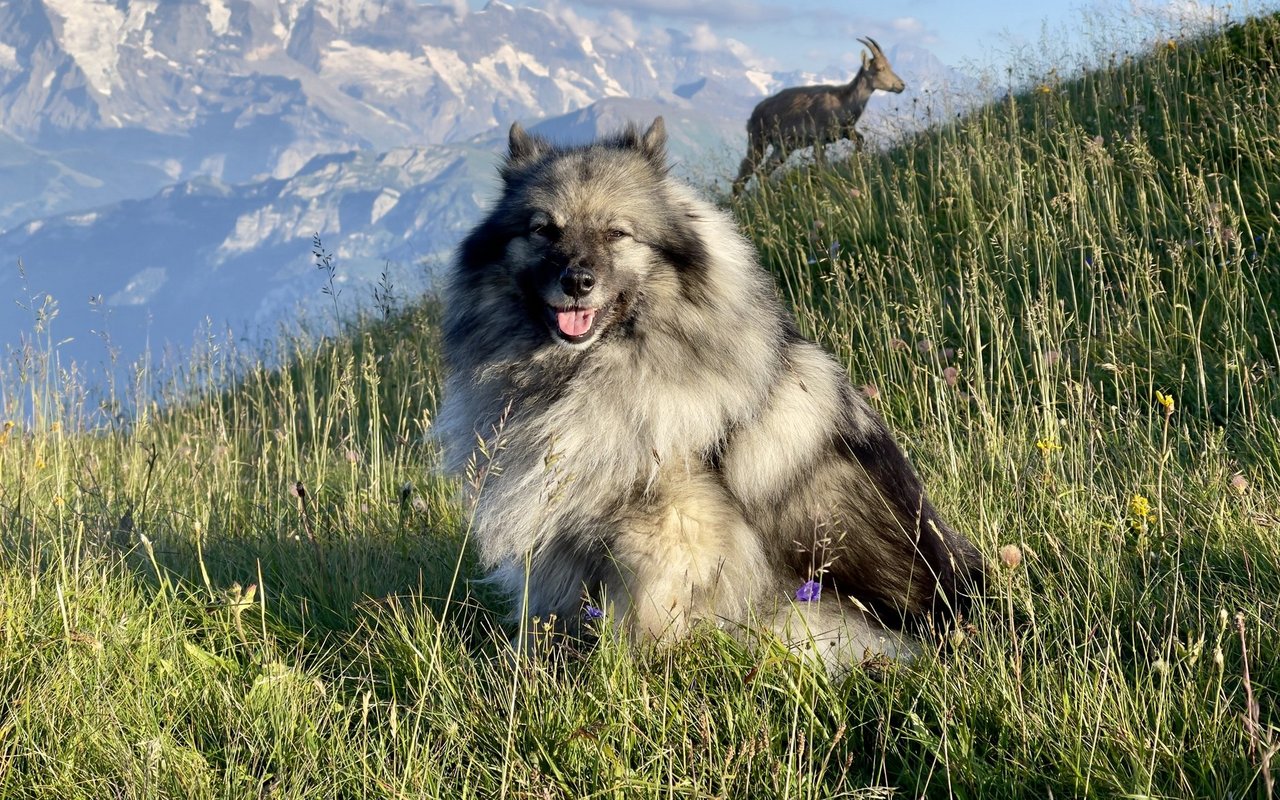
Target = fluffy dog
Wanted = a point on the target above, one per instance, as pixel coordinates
(645, 431)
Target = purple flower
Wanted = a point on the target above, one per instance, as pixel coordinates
(591, 612)
(809, 591)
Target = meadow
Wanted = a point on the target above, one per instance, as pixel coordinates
(1067, 305)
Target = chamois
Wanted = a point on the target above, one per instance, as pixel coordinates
(814, 115)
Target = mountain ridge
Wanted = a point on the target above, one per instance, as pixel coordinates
(116, 114)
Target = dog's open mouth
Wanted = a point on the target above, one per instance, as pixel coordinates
(574, 325)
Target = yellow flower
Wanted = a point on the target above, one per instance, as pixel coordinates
(1165, 400)
(39, 463)
(1140, 512)
(1047, 446)
(1044, 89)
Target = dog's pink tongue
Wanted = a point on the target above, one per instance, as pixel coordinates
(575, 321)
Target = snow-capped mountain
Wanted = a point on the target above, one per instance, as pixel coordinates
(234, 89)
(153, 270)
(172, 160)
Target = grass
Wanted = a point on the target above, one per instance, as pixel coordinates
(1065, 303)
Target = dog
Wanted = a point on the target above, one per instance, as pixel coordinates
(646, 436)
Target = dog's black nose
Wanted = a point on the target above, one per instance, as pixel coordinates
(577, 281)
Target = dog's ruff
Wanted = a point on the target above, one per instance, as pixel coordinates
(641, 427)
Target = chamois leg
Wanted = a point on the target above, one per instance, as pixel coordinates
(744, 173)
(748, 167)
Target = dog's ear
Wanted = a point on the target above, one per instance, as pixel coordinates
(523, 147)
(654, 143)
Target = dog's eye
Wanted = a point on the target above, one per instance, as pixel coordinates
(614, 234)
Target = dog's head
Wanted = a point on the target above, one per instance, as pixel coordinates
(581, 232)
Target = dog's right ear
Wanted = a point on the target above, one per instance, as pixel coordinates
(654, 143)
(522, 147)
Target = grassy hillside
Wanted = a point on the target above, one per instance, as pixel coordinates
(1066, 303)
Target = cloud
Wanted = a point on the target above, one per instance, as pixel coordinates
(622, 26)
(899, 30)
(723, 11)
(703, 40)
(908, 26)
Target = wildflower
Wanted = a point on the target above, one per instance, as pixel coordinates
(1047, 446)
(1044, 89)
(1011, 556)
(352, 456)
(951, 375)
(1165, 400)
(39, 463)
(592, 612)
(1160, 665)
(855, 192)
(1239, 483)
(924, 346)
(1171, 44)
(898, 344)
(1140, 512)
(871, 391)
(809, 592)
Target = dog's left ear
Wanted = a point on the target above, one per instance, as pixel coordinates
(522, 147)
(654, 143)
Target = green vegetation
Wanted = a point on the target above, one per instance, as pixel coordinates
(1066, 303)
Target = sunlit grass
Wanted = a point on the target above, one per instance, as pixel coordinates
(1066, 305)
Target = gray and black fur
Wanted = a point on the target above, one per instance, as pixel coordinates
(643, 428)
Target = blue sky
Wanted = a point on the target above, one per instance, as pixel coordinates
(815, 34)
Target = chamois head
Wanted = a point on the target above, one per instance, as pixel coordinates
(878, 69)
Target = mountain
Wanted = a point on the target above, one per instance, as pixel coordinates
(150, 271)
(153, 269)
(166, 162)
(241, 89)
